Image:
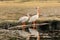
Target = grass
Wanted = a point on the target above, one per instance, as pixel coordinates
(12, 11)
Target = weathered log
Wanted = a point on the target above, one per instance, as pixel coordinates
(20, 26)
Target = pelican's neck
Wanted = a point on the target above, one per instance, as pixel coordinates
(28, 15)
(38, 11)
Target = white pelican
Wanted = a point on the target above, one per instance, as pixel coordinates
(33, 20)
(35, 17)
(23, 20)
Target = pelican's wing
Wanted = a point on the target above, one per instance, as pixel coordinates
(33, 32)
(33, 18)
(23, 19)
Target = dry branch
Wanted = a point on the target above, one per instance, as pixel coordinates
(20, 26)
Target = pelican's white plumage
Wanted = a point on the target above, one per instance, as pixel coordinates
(23, 19)
(33, 18)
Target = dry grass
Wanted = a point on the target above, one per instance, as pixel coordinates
(30, 4)
(12, 11)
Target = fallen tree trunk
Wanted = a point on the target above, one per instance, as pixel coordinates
(20, 26)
